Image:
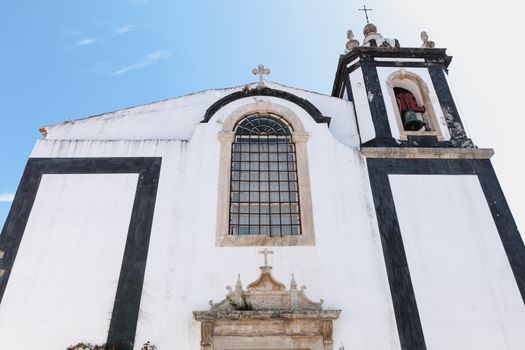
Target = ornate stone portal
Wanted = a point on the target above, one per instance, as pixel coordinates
(266, 316)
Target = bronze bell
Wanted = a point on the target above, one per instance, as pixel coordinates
(413, 121)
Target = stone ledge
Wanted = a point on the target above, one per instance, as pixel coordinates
(266, 315)
(427, 153)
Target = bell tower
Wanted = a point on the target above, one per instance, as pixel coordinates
(447, 233)
(401, 95)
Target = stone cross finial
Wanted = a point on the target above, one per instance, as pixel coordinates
(261, 71)
(266, 252)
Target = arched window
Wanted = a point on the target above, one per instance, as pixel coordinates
(413, 107)
(264, 195)
(264, 189)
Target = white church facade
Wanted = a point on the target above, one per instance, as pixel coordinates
(127, 226)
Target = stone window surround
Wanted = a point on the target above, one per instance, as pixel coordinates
(299, 137)
(417, 86)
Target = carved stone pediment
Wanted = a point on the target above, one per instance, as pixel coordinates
(266, 293)
(266, 315)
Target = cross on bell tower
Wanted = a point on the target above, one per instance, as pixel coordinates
(366, 12)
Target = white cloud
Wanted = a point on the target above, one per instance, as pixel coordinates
(7, 197)
(85, 42)
(122, 30)
(149, 59)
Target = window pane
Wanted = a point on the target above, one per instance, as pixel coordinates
(254, 219)
(286, 230)
(265, 219)
(254, 208)
(265, 208)
(244, 208)
(275, 231)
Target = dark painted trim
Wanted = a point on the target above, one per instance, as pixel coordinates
(446, 101)
(350, 96)
(403, 298)
(301, 102)
(376, 101)
(129, 290)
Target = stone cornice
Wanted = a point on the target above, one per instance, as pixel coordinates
(427, 153)
(266, 315)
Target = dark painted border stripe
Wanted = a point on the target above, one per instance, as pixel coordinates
(376, 101)
(129, 290)
(446, 100)
(405, 306)
(301, 102)
(403, 298)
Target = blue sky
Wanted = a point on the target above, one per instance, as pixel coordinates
(70, 59)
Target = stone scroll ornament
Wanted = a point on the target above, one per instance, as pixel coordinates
(262, 310)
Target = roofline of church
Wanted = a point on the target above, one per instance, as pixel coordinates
(252, 85)
(431, 56)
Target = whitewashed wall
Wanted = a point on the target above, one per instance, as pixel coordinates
(185, 269)
(466, 292)
(63, 283)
